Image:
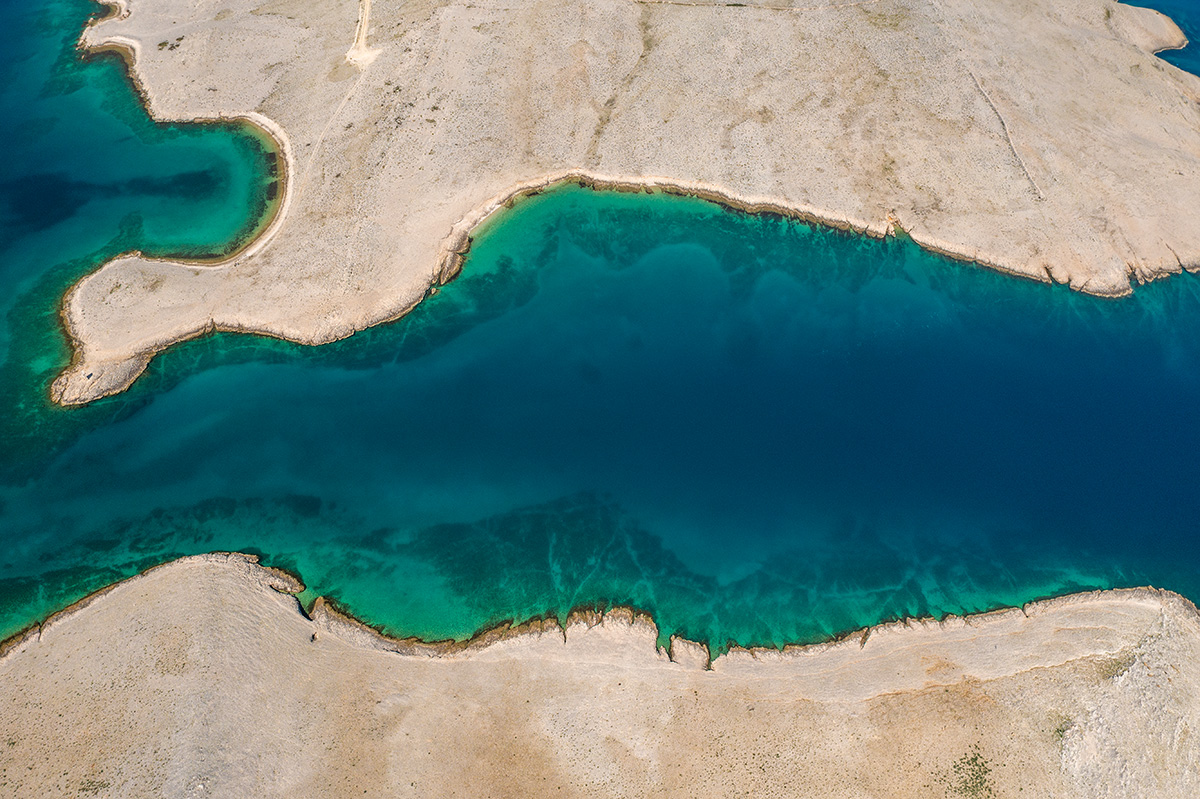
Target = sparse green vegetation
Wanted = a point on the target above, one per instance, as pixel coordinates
(888, 21)
(1111, 668)
(93, 786)
(969, 776)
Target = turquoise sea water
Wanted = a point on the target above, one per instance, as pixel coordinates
(86, 175)
(758, 431)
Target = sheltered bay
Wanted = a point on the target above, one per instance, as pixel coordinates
(1043, 140)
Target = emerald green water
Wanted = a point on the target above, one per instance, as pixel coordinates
(758, 431)
(86, 175)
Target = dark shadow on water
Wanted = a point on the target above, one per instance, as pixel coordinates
(37, 202)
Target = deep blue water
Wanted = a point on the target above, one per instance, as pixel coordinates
(1186, 14)
(756, 430)
(86, 175)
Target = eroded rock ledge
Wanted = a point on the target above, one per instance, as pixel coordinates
(203, 678)
(1039, 138)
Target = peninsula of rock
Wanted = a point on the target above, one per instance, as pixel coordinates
(1039, 138)
(203, 677)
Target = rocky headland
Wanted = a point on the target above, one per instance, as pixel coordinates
(1043, 139)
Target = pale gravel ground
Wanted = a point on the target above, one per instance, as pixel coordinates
(203, 678)
(1040, 137)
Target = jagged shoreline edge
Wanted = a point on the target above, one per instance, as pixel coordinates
(327, 615)
(266, 227)
(457, 244)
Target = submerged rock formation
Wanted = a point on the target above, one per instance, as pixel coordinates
(203, 678)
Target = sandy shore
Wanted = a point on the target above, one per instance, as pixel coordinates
(1041, 139)
(204, 678)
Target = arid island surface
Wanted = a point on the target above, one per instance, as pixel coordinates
(204, 678)
(1040, 138)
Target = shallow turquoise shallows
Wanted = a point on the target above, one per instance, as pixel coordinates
(758, 431)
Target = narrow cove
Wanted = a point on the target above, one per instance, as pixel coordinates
(757, 431)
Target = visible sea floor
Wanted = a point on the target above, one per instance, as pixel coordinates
(758, 431)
